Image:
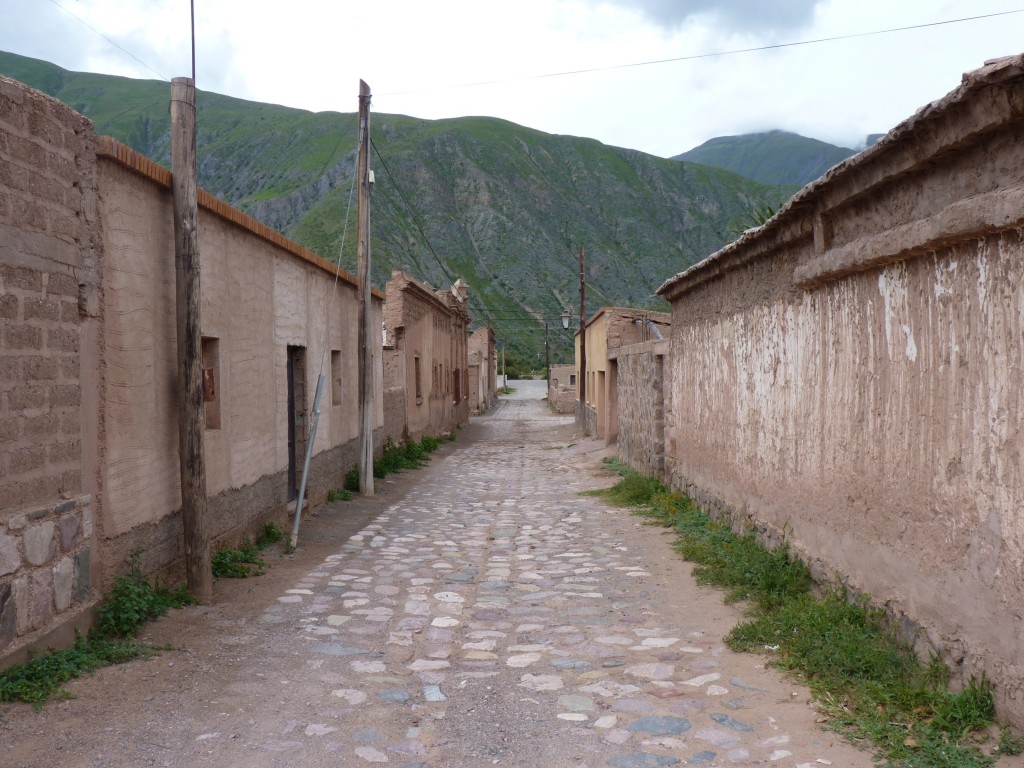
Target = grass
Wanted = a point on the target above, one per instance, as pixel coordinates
(131, 603)
(340, 494)
(871, 687)
(246, 561)
(395, 458)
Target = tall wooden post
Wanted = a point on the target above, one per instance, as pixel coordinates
(191, 413)
(547, 353)
(365, 298)
(583, 346)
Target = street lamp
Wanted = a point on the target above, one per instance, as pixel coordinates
(566, 316)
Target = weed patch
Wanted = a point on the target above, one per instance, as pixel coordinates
(246, 561)
(131, 603)
(869, 685)
(632, 490)
(408, 455)
(340, 494)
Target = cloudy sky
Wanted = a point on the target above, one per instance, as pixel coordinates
(448, 58)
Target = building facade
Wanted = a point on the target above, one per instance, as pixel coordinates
(847, 379)
(607, 330)
(89, 418)
(426, 332)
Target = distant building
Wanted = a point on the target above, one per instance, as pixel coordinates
(483, 371)
(609, 329)
(427, 355)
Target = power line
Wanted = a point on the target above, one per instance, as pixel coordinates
(123, 50)
(415, 218)
(713, 54)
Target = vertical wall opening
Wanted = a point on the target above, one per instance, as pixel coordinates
(210, 350)
(337, 390)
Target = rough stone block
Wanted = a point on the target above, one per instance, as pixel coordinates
(40, 597)
(23, 337)
(21, 277)
(71, 481)
(17, 523)
(46, 424)
(63, 583)
(83, 575)
(27, 459)
(65, 395)
(87, 523)
(8, 615)
(29, 214)
(63, 453)
(64, 506)
(39, 308)
(10, 369)
(69, 312)
(69, 368)
(70, 528)
(9, 307)
(40, 368)
(10, 559)
(39, 543)
(63, 339)
(20, 589)
(62, 284)
(9, 430)
(26, 398)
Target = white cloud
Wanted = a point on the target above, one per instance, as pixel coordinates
(420, 58)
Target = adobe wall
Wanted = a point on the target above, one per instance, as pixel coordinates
(484, 388)
(428, 330)
(260, 297)
(641, 407)
(49, 305)
(848, 379)
(562, 395)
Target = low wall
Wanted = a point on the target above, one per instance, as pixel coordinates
(562, 395)
(847, 379)
(640, 408)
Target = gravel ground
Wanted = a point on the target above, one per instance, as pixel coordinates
(476, 612)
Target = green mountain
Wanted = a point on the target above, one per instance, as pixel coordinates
(774, 157)
(502, 206)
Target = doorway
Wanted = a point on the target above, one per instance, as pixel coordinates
(296, 417)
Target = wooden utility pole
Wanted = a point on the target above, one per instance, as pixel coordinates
(547, 353)
(191, 413)
(583, 346)
(365, 298)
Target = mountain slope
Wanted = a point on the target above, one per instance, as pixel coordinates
(503, 206)
(774, 157)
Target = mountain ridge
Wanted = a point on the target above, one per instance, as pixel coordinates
(770, 157)
(501, 205)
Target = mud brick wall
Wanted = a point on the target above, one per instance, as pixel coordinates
(49, 276)
(847, 379)
(640, 375)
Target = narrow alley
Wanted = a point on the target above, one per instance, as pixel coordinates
(483, 614)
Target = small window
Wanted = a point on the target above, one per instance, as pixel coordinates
(336, 388)
(211, 381)
(572, 379)
(419, 380)
(457, 384)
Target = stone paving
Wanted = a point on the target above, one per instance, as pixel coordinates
(496, 617)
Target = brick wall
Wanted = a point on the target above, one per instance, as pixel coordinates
(49, 279)
(641, 408)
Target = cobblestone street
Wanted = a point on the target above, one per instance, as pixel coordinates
(492, 616)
